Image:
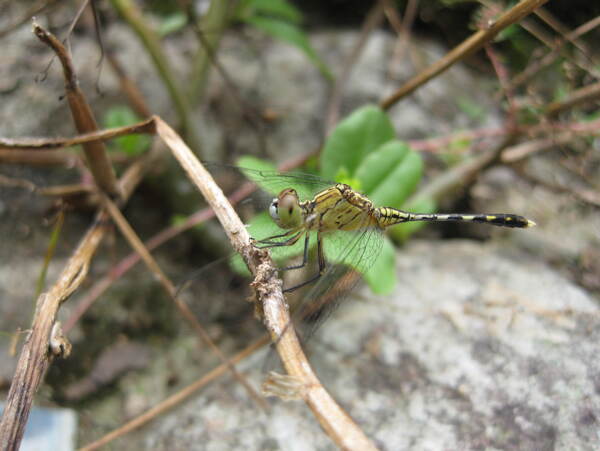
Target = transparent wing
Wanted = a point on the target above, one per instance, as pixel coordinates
(273, 182)
(307, 185)
(360, 250)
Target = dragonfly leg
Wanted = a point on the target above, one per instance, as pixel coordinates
(304, 258)
(268, 242)
(321, 258)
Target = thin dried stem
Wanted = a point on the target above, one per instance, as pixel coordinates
(45, 144)
(589, 93)
(132, 259)
(466, 48)
(133, 16)
(462, 175)
(95, 152)
(249, 112)
(402, 26)
(543, 62)
(128, 87)
(549, 41)
(35, 356)
(502, 74)
(214, 24)
(35, 158)
(560, 28)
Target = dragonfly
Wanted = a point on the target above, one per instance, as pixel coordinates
(343, 227)
(338, 208)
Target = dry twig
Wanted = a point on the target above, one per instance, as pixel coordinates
(540, 63)
(466, 48)
(589, 93)
(83, 117)
(45, 144)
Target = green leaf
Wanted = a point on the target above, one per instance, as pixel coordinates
(353, 139)
(121, 116)
(381, 277)
(275, 8)
(592, 116)
(178, 219)
(257, 164)
(561, 91)
(459, 145)
(390, 174)
(172, 23)
(291, 34)
(238, 266)
(343, 176)
(511, 32)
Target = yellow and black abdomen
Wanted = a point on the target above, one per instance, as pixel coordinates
(387, 216)
(390, 216)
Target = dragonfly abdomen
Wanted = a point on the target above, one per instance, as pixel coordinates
(391, 216)
(387, 216)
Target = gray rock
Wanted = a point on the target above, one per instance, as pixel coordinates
(479, 347)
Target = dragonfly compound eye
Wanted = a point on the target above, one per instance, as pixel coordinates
(288, 213)
(274, 210)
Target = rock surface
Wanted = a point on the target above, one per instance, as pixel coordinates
(479, 347)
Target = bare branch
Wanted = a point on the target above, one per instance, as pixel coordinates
(41, 144)
(83, 117)
(35, 357)
(466, 48)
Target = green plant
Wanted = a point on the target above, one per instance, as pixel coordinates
(132, 145)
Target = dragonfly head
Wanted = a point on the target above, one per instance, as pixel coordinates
(286, 210)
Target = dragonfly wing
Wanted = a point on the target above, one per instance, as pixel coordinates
(341, 276)
(271, 183)
(306, 185)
